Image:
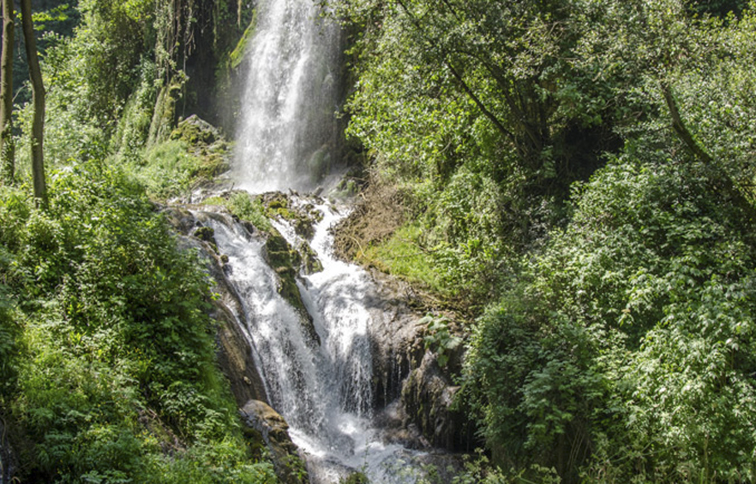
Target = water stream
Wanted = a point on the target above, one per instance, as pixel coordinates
(323, 389)
(285, 141)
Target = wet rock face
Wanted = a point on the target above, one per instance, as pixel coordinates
(234, 351)
(273, 430)
(235, 359)
(408, 375)
(427, 399)
(285, 260)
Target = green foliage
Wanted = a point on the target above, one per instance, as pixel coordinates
(630, 331)
(402, 255)
(107, 48)
(620, 345)
(117, 379)
(355, 478)
(250, 209)
(173, 168)
(438, 338)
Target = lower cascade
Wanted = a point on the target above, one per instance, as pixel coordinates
(316, 360)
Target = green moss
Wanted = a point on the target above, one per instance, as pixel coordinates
(219, 201)
(284, 260)
(310, 262)
(302, 218)
(237, 55)
(356, 478)
(194, 154)
(249, 209)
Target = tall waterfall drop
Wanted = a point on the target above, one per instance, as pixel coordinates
(288, 130)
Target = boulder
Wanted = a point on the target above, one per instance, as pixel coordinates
(285, 261)
(273, 430)
(427, 401)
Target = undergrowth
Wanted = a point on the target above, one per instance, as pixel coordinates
(108, 354)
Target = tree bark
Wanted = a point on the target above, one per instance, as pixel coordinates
(7, 151)
(38, 96)
(680, 129)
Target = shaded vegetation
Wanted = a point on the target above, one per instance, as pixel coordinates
(107, 355)
(580, 173)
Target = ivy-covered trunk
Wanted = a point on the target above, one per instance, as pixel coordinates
(38, 90)
(6, 94)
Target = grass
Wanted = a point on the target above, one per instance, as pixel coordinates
(402, 255)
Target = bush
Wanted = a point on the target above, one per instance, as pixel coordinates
(117, 381)
(630, 338)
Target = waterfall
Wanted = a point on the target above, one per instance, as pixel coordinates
(288, 132)
(322, 385)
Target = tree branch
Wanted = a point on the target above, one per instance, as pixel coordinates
(679, 126)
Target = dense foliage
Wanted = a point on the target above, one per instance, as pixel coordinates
(584, 171)
(115, 377)
(577, 173)
(108, 366)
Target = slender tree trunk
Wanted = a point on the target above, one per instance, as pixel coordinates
(7, 151)
(38, 94)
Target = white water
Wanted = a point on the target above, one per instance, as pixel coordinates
(288, 129)
(324, 391)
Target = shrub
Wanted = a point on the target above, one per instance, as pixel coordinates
(630, 336)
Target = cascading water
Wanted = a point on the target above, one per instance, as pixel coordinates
(288, 131)
(323, 389)
(322, 384)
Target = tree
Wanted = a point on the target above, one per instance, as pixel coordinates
(38, 90)
(6, 94)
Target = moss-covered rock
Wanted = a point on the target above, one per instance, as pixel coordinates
(238, 54)
(284, 260)
(195, 131)
(310, 264)
(302, 216)
(206, 234)
(206, 142)
(273, 430)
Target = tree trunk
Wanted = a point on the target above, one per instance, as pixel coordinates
(38, 94)
(7, 151)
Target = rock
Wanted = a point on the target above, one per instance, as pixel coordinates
(310, 264)
(206, 234)
(194, 130)
(302, 216)
(404, 371)
(273, 429)
(206, 142)
(283, 259)
(235, 358)
(427, 398)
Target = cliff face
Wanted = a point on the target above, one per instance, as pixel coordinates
(215, 62)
